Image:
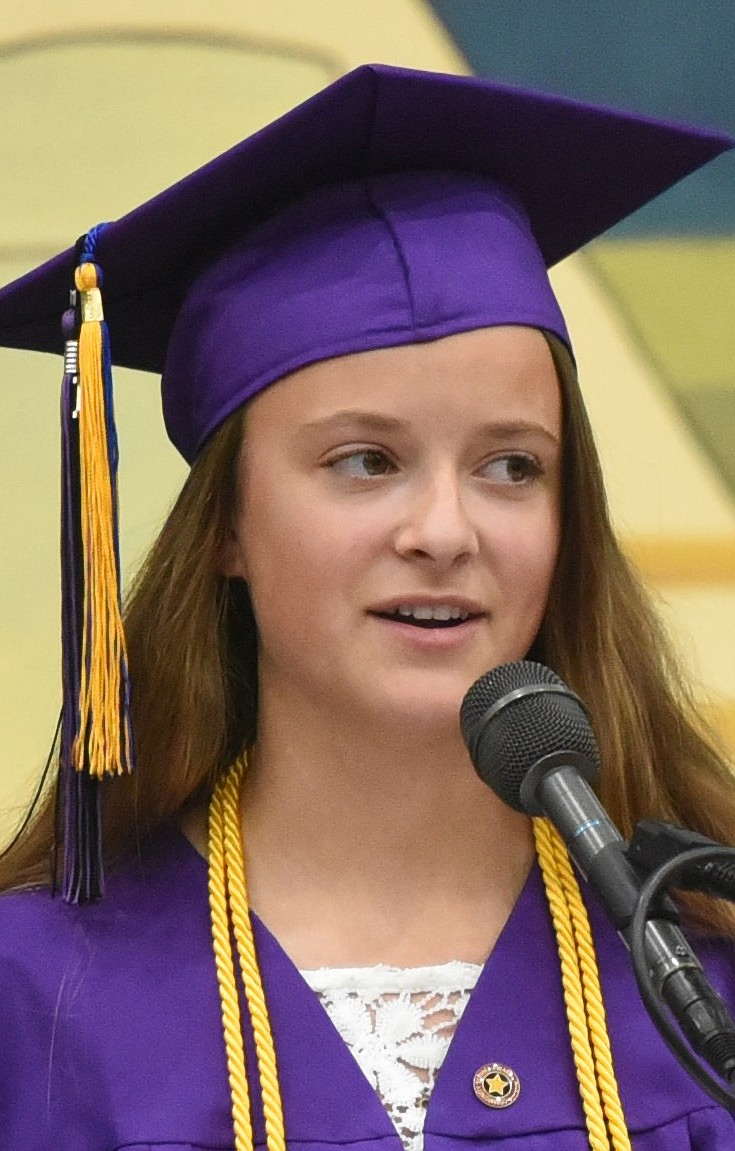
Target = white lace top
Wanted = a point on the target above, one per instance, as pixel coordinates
(398, 1024)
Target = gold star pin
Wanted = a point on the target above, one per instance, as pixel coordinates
(496, 1085)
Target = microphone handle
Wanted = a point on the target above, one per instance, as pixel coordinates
(594, 842)
(598, 849)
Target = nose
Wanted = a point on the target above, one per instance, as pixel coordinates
(436, 525)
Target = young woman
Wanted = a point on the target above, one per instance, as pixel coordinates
(394, 488)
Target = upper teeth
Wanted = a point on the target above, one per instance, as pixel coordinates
(440, 611)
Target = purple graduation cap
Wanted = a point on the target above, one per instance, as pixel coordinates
(393, 207)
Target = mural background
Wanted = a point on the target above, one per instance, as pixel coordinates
(103, 107)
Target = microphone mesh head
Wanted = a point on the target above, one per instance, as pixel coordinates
(505, 746)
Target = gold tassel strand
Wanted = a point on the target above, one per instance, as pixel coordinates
(103, 743)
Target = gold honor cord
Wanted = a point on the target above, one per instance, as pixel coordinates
(585, 1008)
(230, 915)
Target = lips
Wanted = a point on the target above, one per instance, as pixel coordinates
(435, 614)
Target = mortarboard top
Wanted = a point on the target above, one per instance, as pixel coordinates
(393, 207)
(576, 169)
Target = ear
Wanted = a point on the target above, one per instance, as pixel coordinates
(232, 557)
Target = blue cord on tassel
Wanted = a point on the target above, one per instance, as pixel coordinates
(79, 792)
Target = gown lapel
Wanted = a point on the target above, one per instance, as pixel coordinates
(515, 1016)
(326, 1097)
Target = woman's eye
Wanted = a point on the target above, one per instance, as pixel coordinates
(516, 468)
(363, 464)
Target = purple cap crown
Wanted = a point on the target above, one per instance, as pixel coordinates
(378, 262)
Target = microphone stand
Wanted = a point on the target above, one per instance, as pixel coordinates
(703, 1017)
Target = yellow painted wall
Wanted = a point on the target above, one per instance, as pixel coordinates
(103, 106)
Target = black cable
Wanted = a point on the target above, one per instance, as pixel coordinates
(660, 880)
(655, 842)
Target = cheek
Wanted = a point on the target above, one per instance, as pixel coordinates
(296, 529)
(528, 558)
(304, 563)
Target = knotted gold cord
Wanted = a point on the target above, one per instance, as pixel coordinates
(230, 914)
(224, 961)
(582, 995)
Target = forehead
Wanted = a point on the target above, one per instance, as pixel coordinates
(392, 261)
(498, 373)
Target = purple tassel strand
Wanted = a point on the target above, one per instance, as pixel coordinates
(78, 794)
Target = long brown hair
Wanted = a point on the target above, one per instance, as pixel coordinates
(192, 646)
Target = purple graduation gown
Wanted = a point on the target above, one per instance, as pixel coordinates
(110, 1034)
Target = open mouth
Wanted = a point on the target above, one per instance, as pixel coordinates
(442, 617)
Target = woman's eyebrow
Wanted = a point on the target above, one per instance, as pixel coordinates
(502, 429)
(355, 418)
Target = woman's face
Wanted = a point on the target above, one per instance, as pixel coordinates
(398, 523)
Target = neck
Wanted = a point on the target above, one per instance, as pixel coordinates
(377, 845)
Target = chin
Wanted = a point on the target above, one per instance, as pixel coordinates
(431, 706)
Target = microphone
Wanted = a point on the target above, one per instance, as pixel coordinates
(530, 739)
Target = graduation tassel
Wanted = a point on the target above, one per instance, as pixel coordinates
(96, 730)
(78, 795)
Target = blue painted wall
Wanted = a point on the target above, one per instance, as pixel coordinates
(671, 58)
